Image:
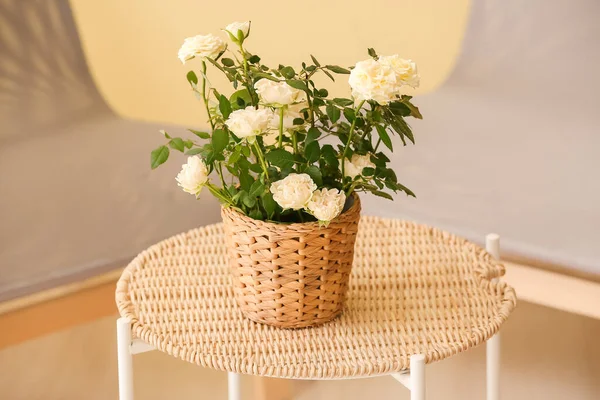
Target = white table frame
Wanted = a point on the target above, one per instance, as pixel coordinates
(413, 379)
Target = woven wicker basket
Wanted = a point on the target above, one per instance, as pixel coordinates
(291, 275)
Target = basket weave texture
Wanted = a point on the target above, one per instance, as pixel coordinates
(414, 290)
(291, 275)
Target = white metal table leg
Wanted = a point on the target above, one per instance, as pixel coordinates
(125, 359)
(493, 367)
(492, 347)
(417, 377)
(233, 386)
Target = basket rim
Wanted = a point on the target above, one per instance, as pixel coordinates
(350, 214)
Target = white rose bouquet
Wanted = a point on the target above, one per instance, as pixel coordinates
(279, 147)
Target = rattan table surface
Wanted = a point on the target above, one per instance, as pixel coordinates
(413, 290)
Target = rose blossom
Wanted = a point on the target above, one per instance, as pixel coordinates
(278, 94)
(290, 113)
(249, 122)
(356, 164)
(236, 27)
(193, 175)
(202, 46)
(326, 204)
(293, 191)
(371, 80)
(405, 70)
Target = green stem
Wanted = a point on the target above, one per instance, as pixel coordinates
(311, 114)
(217, 193)
(351, 189)
(205, 97)
(295, 143)
(377, 145)
(280, 143)
(350, 138)
(249, 86)
(261, 159)
(300, 215)
(220, 173)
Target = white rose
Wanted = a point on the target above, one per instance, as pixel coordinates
(290, 113)
(356, 164)
(406, 70)
(249, 122)
(371, 80)
(193, 175)
(326, 204)
(294, 191)
(278, 94)
(201, 46)
(236, 27)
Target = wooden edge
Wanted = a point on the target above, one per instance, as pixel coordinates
(272, 389)
(57, 309)
(59, 291)
(554, 290)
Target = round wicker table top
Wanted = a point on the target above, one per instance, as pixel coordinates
(413, 290)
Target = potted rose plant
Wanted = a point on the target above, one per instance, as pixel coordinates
(286, 161)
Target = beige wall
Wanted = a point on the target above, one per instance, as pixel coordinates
(132, 45)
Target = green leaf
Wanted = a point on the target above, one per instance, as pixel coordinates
(246, 180)
(269, 204)
(315, 173)
(297, 84)
(201, 135)
(298, 121)
(329, 75)
(220, 139)
(314, 60)
(372, 52)
(312, 151)
(382, 194)
(400, 109)
(385, 138)
(329, 155)
(159, 156)
(228, 62)
(343, 102)
(322, 93)
(254, 59)
(195, 151)
(242, 95)
(367, 171)
(280, 158)
(312, 135)
(288, 72)
(165, 134)
(266, 76)
(414, 110)
(405, 190)
(224, 106)
(177, 144)
(402, 128)
(235, 156)
(349, 114)
(256, 189)
(239, 195)
(333, 113)
(246, 151)
(192, 78)
(256, 214)
(337, 69)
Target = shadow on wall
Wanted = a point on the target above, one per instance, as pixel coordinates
(44, 79)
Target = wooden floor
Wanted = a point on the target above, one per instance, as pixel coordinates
(547, 354)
